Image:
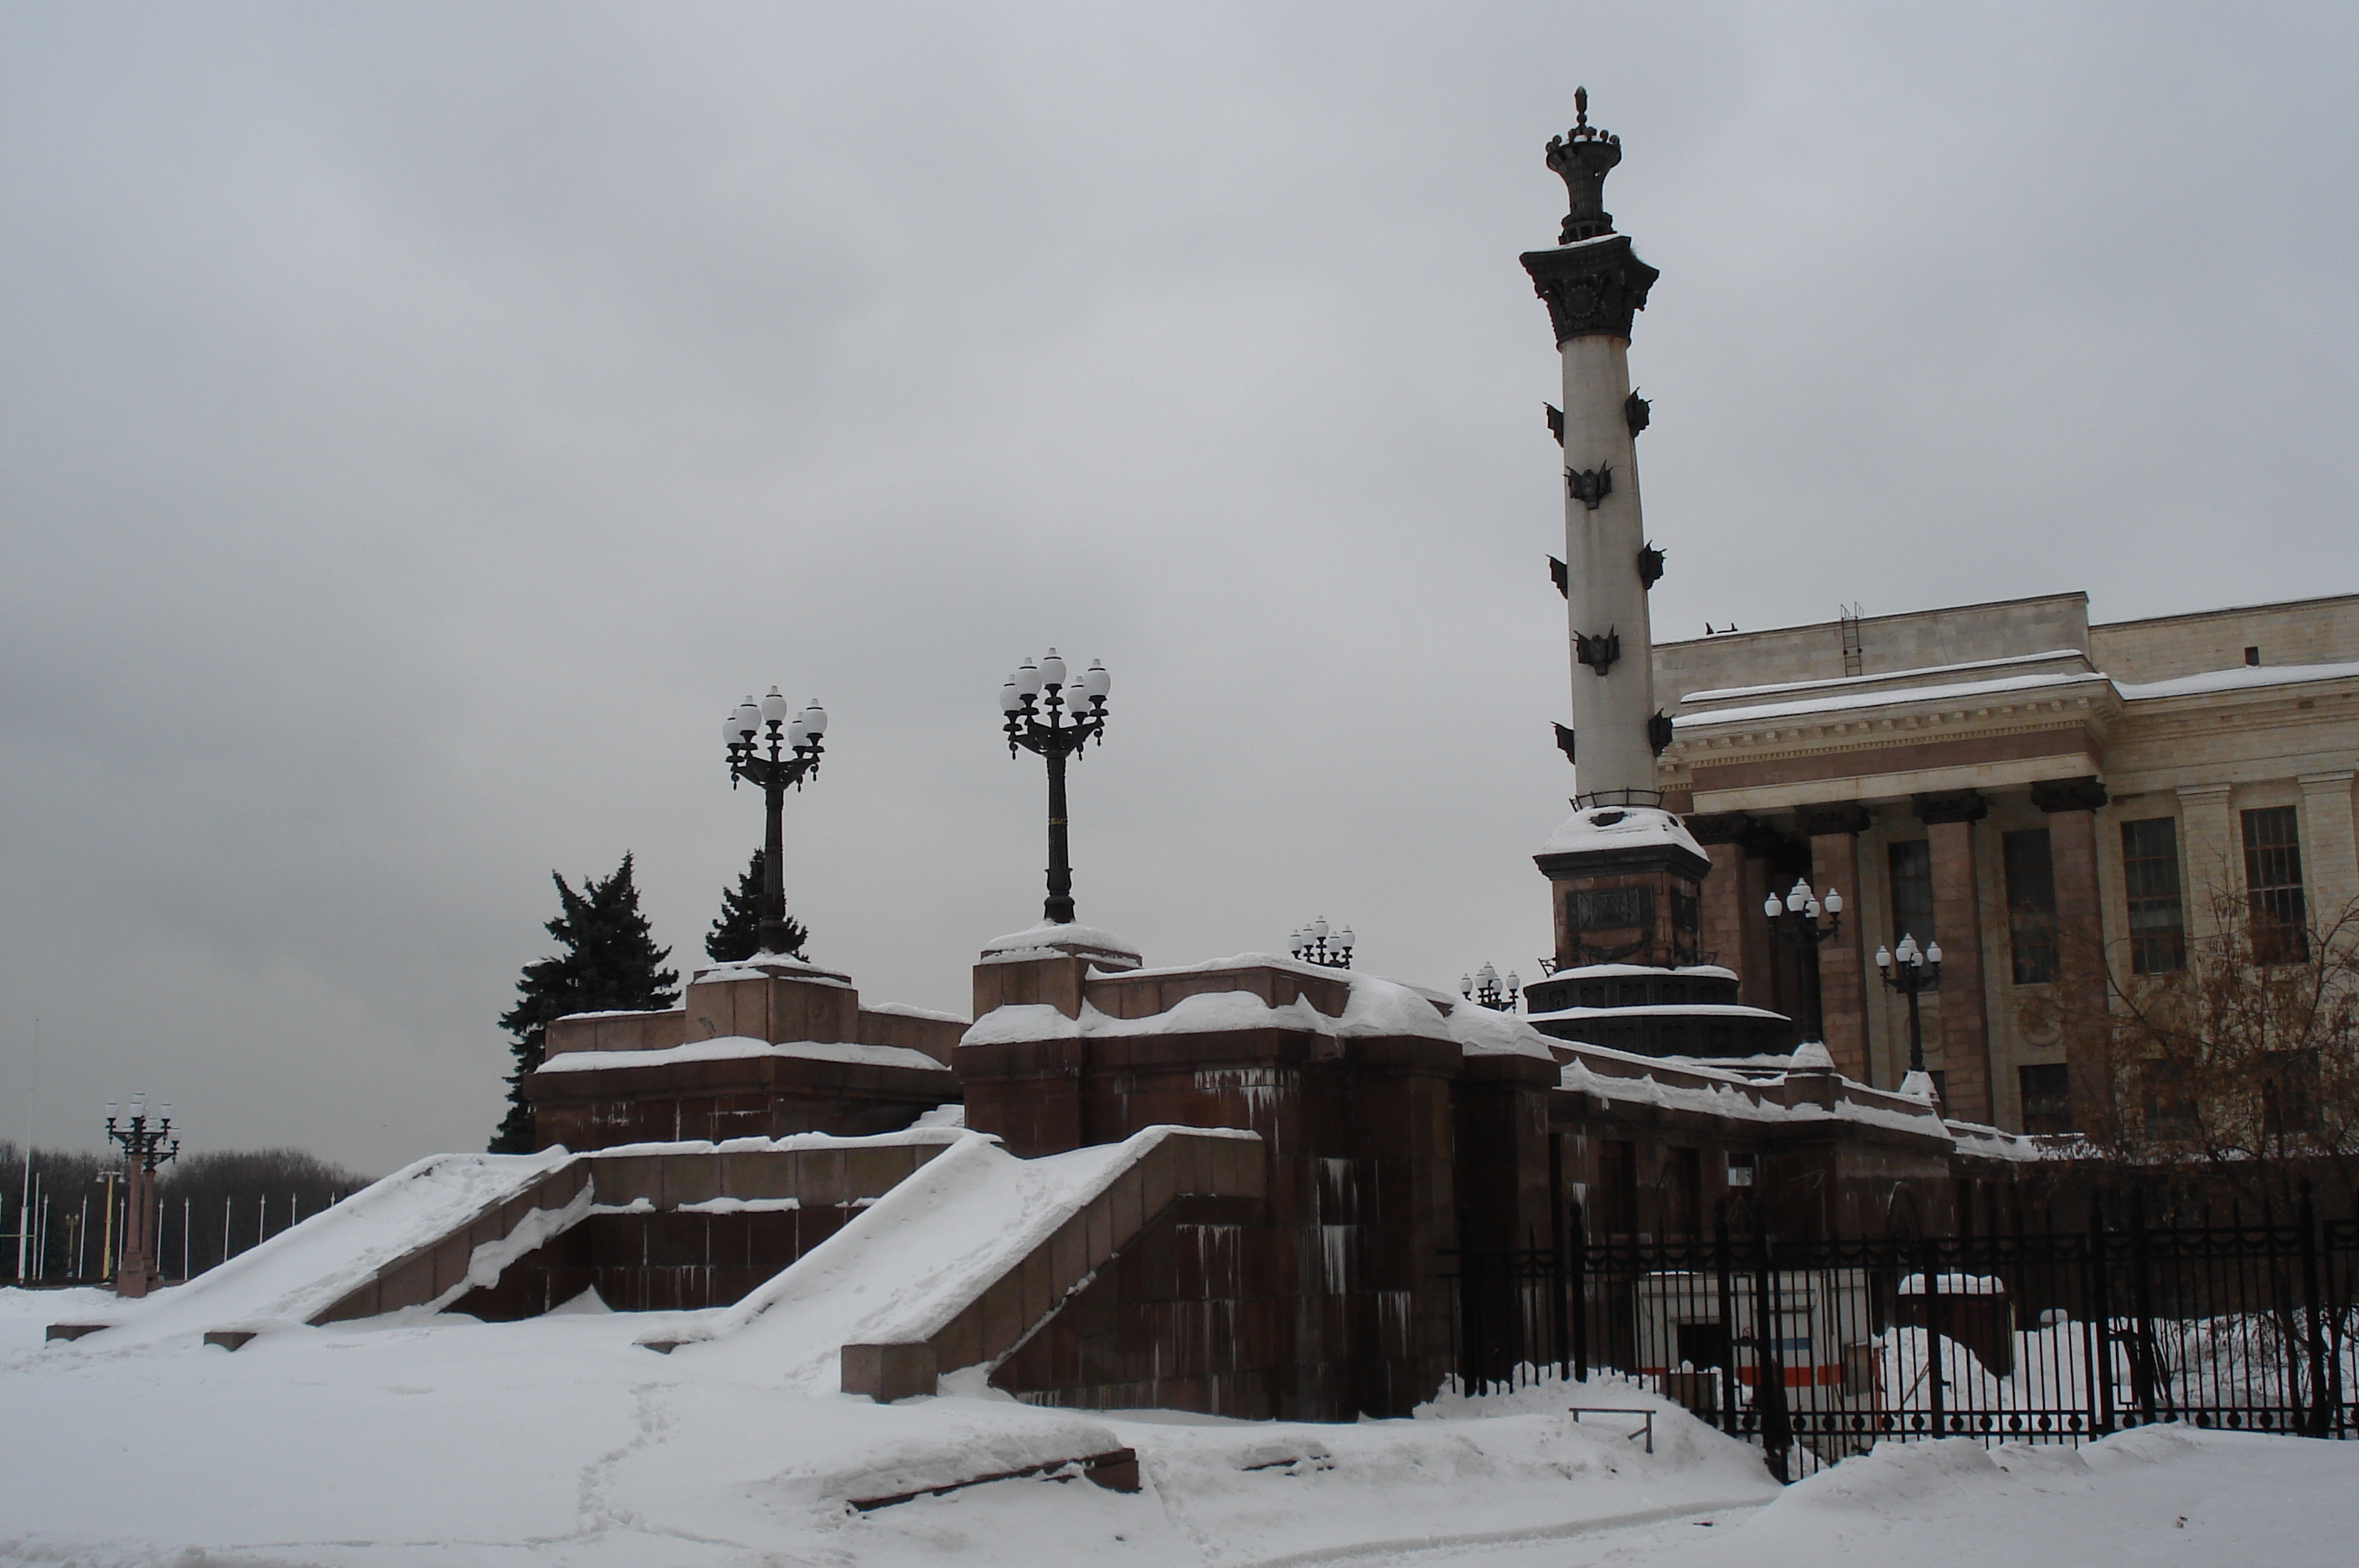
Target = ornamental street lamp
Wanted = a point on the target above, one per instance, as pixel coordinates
(1795, 919)
(1483, 989)
(1310, 945)
(1909, 971)
(793, 749)
(1043, 720)
(144, 1149)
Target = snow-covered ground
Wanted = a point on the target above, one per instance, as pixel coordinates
(560, 1441)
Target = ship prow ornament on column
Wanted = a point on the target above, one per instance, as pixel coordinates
(1625, 874)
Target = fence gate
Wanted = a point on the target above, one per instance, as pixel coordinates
(2036, 1336)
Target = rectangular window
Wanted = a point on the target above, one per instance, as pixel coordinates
(2288, 1092)
(2170, 1103)
(1685, 1198)
(2047, 1098)
(1911, 866)
(2273, 881)
(2157, 918)
(1617, 1181)
(2030, 904)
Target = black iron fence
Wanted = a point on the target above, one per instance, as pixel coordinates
(2048, 1335)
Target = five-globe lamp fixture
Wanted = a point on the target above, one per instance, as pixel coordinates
(1795, 919)
(1312, 944)
(146, 1144)
(773, 753)
(1485, 989)
(1911, 970)
(1053, 720)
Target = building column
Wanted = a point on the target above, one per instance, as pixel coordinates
(2071, 805)
(2213, 858)
(1723, 835)
(2330, 848)
(1842, 978)
(1949, 818)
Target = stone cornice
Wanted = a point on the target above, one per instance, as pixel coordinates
(1783, 738)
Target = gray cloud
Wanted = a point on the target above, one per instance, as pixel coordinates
(422, 422)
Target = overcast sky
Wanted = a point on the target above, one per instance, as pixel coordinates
(423, 423)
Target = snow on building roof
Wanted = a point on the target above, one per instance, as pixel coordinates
(1620, 827)
(1846, 701)
(2240, 678)
(1730, 694)
(732, 1047)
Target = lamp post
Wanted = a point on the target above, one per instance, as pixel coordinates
(1310, 945)
(1795, 919)
(144, 1149)
(1911, 971)
(1043, 720)
(793, 752)
(1483, 989)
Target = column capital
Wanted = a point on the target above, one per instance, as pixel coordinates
(1950, 806)
(1837, 817)
(2085, 794)
(1591, 289)
(2343, 777)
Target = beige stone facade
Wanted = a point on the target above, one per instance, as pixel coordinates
(2008, 769)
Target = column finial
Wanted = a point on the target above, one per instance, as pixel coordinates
(1582, 157)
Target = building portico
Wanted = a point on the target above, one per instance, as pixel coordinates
(2022, 787)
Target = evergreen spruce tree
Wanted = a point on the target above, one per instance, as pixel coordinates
(607, 961)
(735, 935)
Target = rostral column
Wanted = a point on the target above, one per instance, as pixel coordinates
(1593, 285)
(1625, 874)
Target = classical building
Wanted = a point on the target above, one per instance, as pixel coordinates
(2008, 780)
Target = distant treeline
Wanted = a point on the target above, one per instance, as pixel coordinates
(213, 1205)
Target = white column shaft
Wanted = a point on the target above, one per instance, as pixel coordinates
(1603, 593)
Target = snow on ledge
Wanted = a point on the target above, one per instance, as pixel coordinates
(1621, 827)
(734, 1048)
(901, 1010)
(769, 966)
(2236, 679)
(930, 1133)
(1896, 696)
(1047, 940)
(1373, 1008)
(1732, 693)
(1625, 971)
